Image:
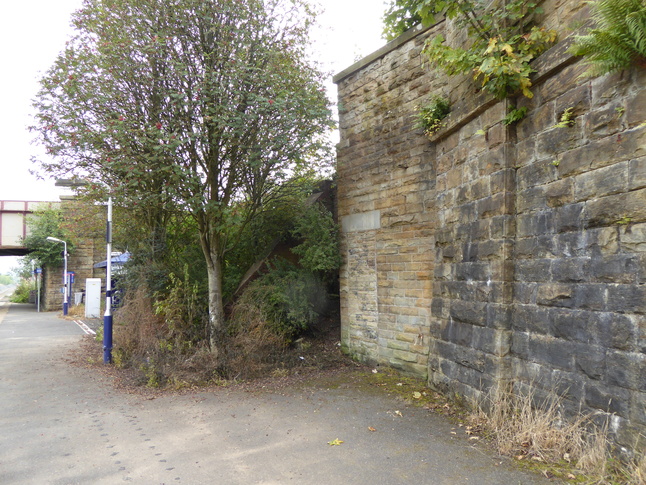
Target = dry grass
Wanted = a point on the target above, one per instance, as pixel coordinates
(524, 427)
(253, 349)
(162, 353)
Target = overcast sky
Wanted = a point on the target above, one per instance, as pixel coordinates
(33, 32)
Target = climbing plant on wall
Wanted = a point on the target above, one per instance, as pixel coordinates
(501, 39)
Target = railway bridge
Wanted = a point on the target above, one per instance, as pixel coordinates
(13, 224)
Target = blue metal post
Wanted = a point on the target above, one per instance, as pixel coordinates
(66, 290)
(107, 317)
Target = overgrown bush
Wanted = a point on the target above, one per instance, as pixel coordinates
(21, 293)
(289, 299)
(318, 234)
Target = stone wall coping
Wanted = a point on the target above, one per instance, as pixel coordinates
(551, 61)
(381, 52)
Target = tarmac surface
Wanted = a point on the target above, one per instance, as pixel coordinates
(63, 424)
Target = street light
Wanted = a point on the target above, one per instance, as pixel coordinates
(65, 291)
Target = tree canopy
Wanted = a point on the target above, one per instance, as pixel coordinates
(206, 107)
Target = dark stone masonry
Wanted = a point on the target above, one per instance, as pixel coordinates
(496, 254)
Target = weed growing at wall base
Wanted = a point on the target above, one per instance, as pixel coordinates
(535, 431)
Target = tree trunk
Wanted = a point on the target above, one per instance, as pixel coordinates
(216, 307)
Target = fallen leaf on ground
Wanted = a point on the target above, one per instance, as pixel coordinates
(335, 442)
(417, 395)
(370, 428)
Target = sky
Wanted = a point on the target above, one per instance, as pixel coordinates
(33, 32)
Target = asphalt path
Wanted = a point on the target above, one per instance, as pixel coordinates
(63, 424)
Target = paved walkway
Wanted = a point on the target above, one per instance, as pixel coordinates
(67, 425)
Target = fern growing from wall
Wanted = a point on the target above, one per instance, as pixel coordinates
(618, 40)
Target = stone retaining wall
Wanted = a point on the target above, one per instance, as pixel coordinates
(498, 254)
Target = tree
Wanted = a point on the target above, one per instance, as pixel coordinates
(46, 221)
(198, 106)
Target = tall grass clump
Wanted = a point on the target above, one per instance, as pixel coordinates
(526, 427)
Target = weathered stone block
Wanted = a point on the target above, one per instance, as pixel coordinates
(618, 331)
(533, 269)
(536, 223)
(520, 347)
(610, 399)
(627, 370)
(616, 268)
(591, 361)
(556, 353)
(538, 173)
(468, 312)
(570, 270)
(590, 297)
(575, 325)
(633, 238)
(525, 293)
(551, 143)
(557, 295)
(569, 218)
(604, 152)
(531, 318)
(627, 298)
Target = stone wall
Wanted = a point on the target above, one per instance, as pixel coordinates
(498, 254)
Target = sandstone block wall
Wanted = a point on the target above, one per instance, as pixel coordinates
(498, 254)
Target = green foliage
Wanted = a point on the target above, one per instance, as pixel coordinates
(430, 116)
(47, 222)
(619, 39)
(319, 235)
(290, 298)
(402, 15)
(567, 119)
(181, 308)
(21, 293)
(6, 279)
(515, 115)
(271, 224)
(501, 41)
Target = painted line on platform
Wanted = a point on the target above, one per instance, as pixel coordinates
(84, 327)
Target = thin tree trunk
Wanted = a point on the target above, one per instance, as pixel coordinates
(216, 307)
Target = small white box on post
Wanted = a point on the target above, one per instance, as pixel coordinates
(92, 297)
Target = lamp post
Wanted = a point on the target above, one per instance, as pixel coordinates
(65, 290)
(107, 317)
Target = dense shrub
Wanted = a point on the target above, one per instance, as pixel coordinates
(21, 293)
